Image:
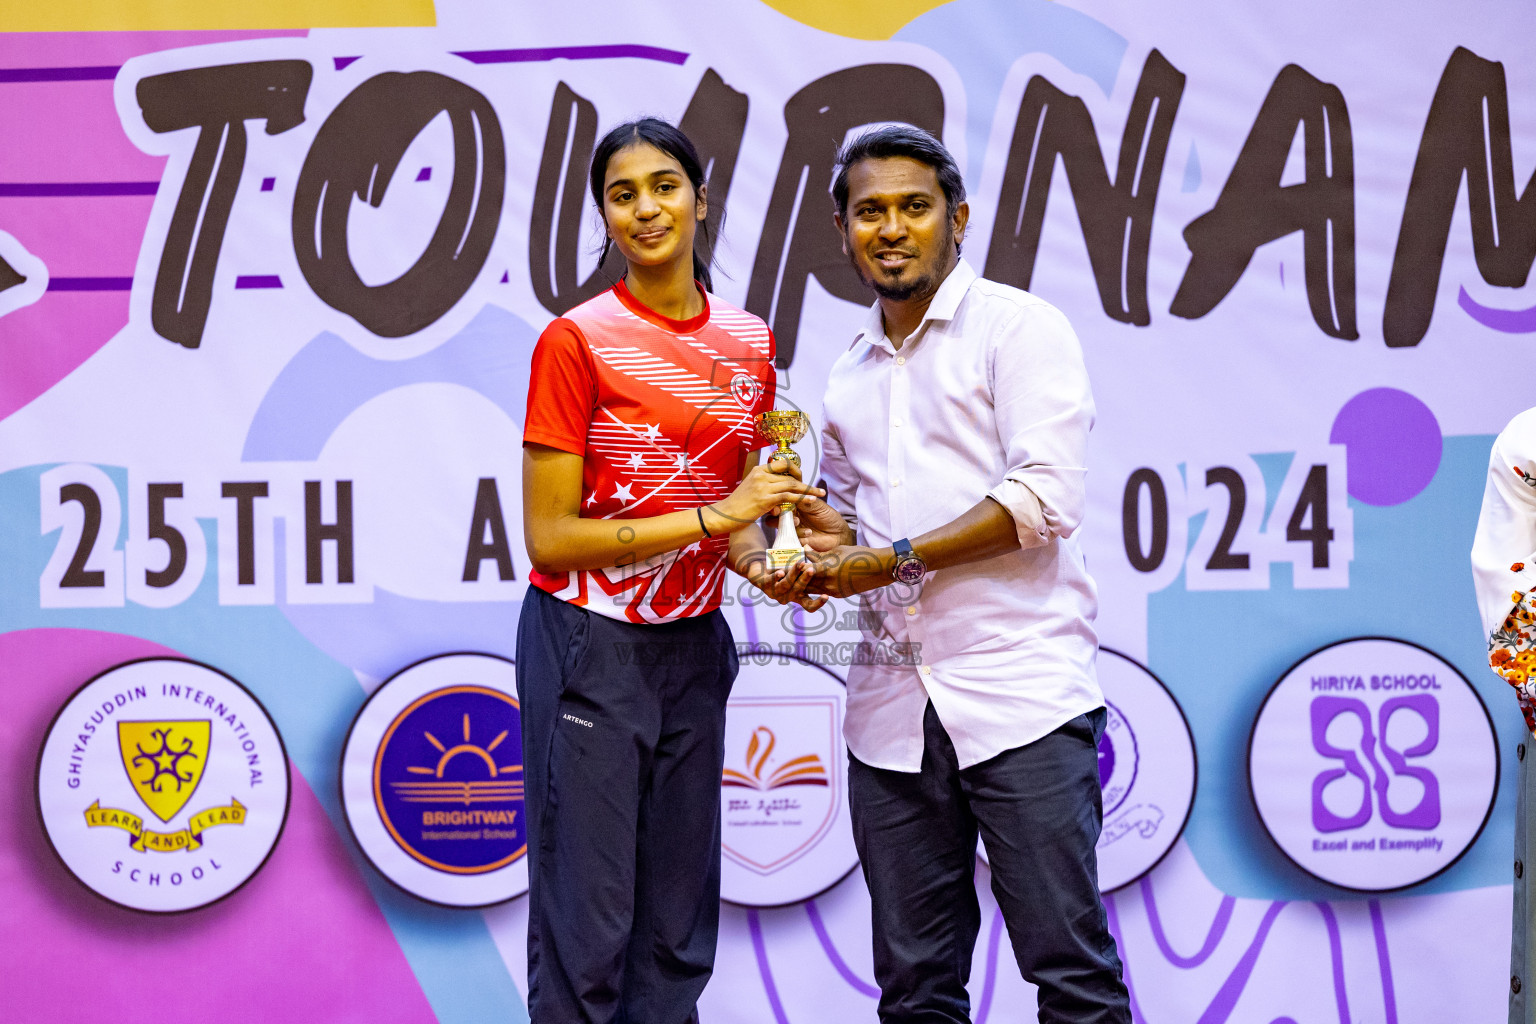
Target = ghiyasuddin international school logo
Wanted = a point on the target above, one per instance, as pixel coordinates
(163, 785)
(1373, 764)
(432, 781)
(165, 762)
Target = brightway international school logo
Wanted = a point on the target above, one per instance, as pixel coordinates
(432, 781)
(163, 785)
(785, 834)
(1373, 764)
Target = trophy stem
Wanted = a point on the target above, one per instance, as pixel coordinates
(786, 548)
(788, 454)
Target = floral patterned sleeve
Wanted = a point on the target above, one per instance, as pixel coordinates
(1512, 644)
(1504, 561)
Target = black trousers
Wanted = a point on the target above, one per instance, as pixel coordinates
(1039, 810)
(623, 744)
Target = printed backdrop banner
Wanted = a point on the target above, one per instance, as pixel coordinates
(270, 279)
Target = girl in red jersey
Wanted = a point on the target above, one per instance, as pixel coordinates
(641, 487)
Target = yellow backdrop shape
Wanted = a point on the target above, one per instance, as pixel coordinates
(857, 19)
(226, 15)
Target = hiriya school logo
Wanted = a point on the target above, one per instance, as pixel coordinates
(1147, 771)
(163, 785)
(432, 781)
(785, 834)
(1373, 764)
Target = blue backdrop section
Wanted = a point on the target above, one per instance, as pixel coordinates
(1084, 44)
(328, 379)
(310, 696)
(1220, 652)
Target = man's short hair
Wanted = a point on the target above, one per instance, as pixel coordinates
(898, 140)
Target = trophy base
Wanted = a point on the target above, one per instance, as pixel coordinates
(783, 558)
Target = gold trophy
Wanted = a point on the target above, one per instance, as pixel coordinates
(784, 427)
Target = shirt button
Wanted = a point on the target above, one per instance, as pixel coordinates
(1519, 869)
(927, 671)
(1520, 752)
(911, 611)
(896, 422)
(901, 360)
(896, 482)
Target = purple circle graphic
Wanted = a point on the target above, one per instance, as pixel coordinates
(1106, 760)
(1393, 444)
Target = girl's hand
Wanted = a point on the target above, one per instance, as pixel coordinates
(786, 585)
(759, 492)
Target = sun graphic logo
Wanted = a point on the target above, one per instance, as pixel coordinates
(214, 786)
(453, 808)
(432, 781)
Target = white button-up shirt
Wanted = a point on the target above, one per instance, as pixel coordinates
(988, 396)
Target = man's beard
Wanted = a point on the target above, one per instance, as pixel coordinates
(923, 283)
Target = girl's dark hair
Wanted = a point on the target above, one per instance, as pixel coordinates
(671, 141)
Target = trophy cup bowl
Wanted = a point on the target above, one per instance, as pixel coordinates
(784, 427)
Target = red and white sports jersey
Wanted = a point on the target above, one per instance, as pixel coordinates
(662, 412)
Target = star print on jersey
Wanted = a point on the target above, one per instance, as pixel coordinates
(655, 409)
(678, 479)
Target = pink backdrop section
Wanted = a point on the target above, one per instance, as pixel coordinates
(60, 133)
(179, 968)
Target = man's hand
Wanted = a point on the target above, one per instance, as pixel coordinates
(821, 527)
(850, 569)
(761, 490)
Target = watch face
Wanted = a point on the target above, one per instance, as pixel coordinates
(910, 570)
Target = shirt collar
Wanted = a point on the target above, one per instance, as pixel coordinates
(945, 304)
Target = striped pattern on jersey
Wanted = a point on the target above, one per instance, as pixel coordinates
(672, 422)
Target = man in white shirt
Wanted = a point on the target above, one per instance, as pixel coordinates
(1503, 555)
(954, 440)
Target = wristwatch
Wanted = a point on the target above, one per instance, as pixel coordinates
(909, 567)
